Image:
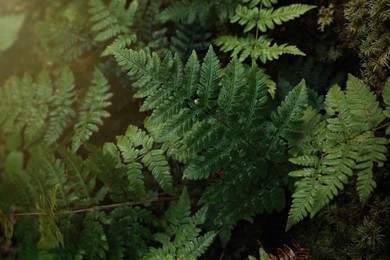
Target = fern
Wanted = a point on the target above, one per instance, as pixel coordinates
(187, 243)
(62, 114)
(44, 109)
(345, 146)
(190, 38)
(199, 114)
(67, 28)
(266, 18)
(132, 152)
(91, 111)
(51, 236)
(261, 48)
(262, 18)
(93, 240)
(113, 22)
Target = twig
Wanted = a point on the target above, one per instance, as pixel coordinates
(94, 208)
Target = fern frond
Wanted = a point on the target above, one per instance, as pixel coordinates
(113, 22)
(209, 78)
(260, 48)
(363, 104)
(187, 243)
(63, 112)
(233, 82)
(158, 165)
(81, 181)
(179, 213)
(189, 38)
(303, 200)
(347, 145)
(373, 150)
(200, 244)
(43, 110)
(289, 114)
(186, 11)
(266, 18)
(129, 156)
(50, 235)
(93, 240)
(92, 110)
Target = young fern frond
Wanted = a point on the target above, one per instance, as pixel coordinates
(132, 153)
(92, 110)
(346, 146)
(261, 19)
(266, 18)
(261, 48)
(182, 238)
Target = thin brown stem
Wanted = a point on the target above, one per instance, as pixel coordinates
(381, 126)
(94, 208)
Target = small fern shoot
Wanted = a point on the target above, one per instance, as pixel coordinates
(261, 18)
(183, 238)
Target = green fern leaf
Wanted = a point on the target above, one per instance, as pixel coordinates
(93, 240)
(158, 165)
(50, 235)
(187, 12)
(362, 104)
(306, 160)
(373, 150)
(266, 18)
(200, 244)
(179, 213)
(260, 48)
(113, 22)
(303, 200)
(63, 113)
(288, 117)
(233, 82)
(92, 110)
(81, 181)
(209, 78)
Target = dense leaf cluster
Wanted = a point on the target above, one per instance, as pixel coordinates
(225, 139)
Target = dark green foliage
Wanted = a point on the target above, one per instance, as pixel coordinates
(204, 11)
(199, 114)
(190, 38)
(113, 22)
(67, 28)
(187, 241)
(91, 110)
(217, 130)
